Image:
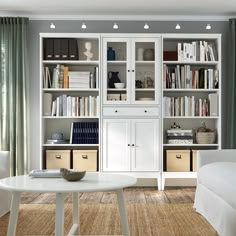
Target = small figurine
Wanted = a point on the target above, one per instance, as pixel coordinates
(175, 126)
(88, 53)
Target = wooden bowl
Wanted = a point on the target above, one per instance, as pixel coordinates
(71, 175)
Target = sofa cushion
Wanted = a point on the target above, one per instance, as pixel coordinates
(220, 178)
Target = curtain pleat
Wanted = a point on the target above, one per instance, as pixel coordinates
(14, 107)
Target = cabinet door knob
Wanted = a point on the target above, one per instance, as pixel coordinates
(129, 145)
(132, 70)
(128, 70)
(133, 145)
(116, 111)
(145, 111)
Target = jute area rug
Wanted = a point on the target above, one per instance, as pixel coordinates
(103, 219)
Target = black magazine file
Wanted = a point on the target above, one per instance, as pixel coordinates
(48, 49)
(60, 49)
(73, 49)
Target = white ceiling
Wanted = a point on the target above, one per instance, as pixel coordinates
(128, 8)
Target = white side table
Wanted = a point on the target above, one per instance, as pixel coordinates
(90, 183)
(5, 196)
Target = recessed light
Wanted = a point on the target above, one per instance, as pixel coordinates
(115, 26)
(52, 26)
(208, 26)
(84, 26)
(146, 26)
(178, 27)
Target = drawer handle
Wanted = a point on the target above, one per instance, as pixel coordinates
(133, 145)
(178, 156)
(116, 111)
(58, 156)
(128, 70)
(85, 156)
(145, 111)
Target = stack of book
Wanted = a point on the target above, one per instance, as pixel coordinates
(179, 136)
(79, 79)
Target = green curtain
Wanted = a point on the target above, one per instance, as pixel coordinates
(14, 121)
(230, 86)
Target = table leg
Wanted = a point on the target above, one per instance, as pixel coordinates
(75, 227)
(59, 225)
(15, 202)
(123, 215)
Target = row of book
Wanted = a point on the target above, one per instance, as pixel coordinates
(197, 51)
(61, 77)
(70, 106)
(191, 106)
(84, 133)
(184, 77)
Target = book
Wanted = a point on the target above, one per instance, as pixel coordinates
(47, 104)
(48, 173)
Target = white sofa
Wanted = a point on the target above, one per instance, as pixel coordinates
(215, 197)
(5, 196)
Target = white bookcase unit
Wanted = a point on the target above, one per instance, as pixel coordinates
(118, 95)
(191, 95)
(69, 95)
(131, 138)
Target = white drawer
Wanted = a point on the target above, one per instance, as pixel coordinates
(134, 111)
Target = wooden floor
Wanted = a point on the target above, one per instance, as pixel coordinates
(132, 195)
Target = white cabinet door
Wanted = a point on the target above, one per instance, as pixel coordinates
(145, 71)
(116, 65)
(116, 148)
(145, 145)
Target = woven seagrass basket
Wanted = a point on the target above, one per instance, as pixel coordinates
(206, 137)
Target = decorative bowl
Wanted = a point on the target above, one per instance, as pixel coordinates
(119, 85)
(57, 136)
(71, 175)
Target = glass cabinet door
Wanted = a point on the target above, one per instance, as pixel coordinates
(116, 63)
(144, 66)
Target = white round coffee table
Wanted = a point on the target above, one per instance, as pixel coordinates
(90, 183)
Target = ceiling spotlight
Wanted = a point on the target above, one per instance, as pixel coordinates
(178, 27)
(115, 26)
(52, 26)
(84, 26)
(146, 26)
(208, 26)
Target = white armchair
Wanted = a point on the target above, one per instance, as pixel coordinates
(5, 197)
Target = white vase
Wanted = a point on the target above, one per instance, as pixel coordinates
(140, 54)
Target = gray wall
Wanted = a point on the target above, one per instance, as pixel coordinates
(69, 26)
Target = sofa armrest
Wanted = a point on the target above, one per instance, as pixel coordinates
(205, 157)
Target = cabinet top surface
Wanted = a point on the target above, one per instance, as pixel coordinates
(91, 182)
